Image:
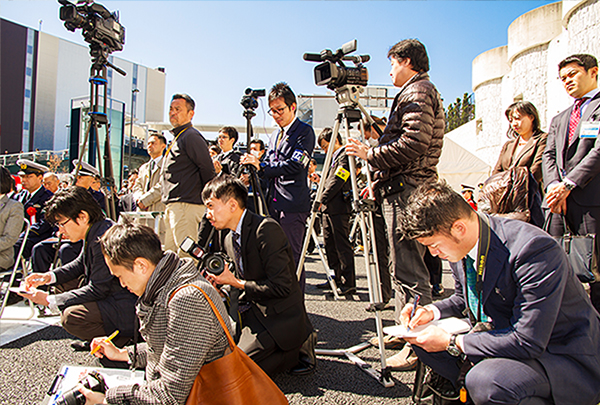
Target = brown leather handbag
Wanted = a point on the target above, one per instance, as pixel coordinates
(234, 378)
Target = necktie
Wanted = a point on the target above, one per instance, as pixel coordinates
(472, 296)
(279, 138)
(574, 119)
(237, 250)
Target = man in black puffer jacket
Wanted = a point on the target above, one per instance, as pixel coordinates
(406, 157)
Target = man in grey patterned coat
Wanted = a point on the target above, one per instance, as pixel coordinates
(181, 331)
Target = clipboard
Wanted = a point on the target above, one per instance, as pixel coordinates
(69, 376)
(450, 325)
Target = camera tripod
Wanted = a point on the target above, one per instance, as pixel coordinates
(351, 110)
(98, 118)
(260, 203)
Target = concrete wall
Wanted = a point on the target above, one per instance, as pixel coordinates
(526, 69)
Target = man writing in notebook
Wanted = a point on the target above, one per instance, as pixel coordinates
(536, 337)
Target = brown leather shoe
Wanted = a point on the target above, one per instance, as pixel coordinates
(389, 342)
(404, 360)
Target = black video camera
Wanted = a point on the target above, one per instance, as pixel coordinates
(211, 262)
(249, 100)
(333, 73)
(100, 26)
(92, 381)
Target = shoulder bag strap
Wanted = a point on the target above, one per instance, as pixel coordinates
(214, 308)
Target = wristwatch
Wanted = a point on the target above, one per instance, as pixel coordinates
(452, 348)
(568, 186)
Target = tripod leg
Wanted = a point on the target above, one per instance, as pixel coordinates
(317, 202)
(328, 271)
(372, 272)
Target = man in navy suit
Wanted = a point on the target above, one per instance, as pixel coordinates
(537, 340)
(571, 161)
(286, 167)
(33, 197)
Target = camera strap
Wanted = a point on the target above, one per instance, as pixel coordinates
(479, 265)
(482, 253)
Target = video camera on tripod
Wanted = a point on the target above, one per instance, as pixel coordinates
(333, 73)
(100, 26)
(249, 100)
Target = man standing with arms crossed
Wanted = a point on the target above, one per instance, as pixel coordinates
(571, 161)
(406, 157)
(286, 168)
(186, 169)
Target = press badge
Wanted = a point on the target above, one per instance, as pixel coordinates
(301, 156)
(342, 173)
(589, 129)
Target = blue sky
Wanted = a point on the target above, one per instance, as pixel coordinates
(214, 50)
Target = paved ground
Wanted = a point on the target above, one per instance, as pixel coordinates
(28, 365)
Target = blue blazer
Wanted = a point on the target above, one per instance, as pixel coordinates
(41, 229)
(286, 167)
(539, 311)
(580, 162)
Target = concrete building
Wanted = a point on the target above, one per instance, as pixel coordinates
(526, 69)
(42, 77)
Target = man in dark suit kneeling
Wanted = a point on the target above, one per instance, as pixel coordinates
(266, 301)
(537, 336)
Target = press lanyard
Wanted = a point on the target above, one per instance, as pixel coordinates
(482, 253)
(175, 140)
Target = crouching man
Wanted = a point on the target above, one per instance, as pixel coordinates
(537, 337)
(99, 305)
(266, 299)
(181, 331)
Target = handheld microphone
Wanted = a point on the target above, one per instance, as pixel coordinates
(312, 57)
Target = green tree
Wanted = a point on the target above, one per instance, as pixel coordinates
(460, 112)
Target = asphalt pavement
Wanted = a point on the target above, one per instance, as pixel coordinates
(28, 365)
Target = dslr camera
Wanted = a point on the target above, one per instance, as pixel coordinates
(93, 382)
(211, 262)
(100, 26)
(333, 73)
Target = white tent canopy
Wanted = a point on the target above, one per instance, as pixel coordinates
(459, 166)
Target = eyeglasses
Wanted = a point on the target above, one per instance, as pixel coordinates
(223, 136)
(276, 111)
(62, 225)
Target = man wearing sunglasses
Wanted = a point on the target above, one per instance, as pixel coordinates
(286, 167)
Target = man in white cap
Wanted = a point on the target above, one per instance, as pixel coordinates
(85, 178)
(33, 196)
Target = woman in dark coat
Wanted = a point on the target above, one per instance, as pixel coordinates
(527, 141)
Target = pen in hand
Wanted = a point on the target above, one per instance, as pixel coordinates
(414, 308)
(108, 339)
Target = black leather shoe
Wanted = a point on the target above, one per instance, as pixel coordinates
(302, 368)
(81, 346)
(347, 290)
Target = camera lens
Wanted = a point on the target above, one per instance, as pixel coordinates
(215, 265)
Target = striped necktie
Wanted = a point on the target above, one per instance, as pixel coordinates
(237, 250)
(574, 119)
